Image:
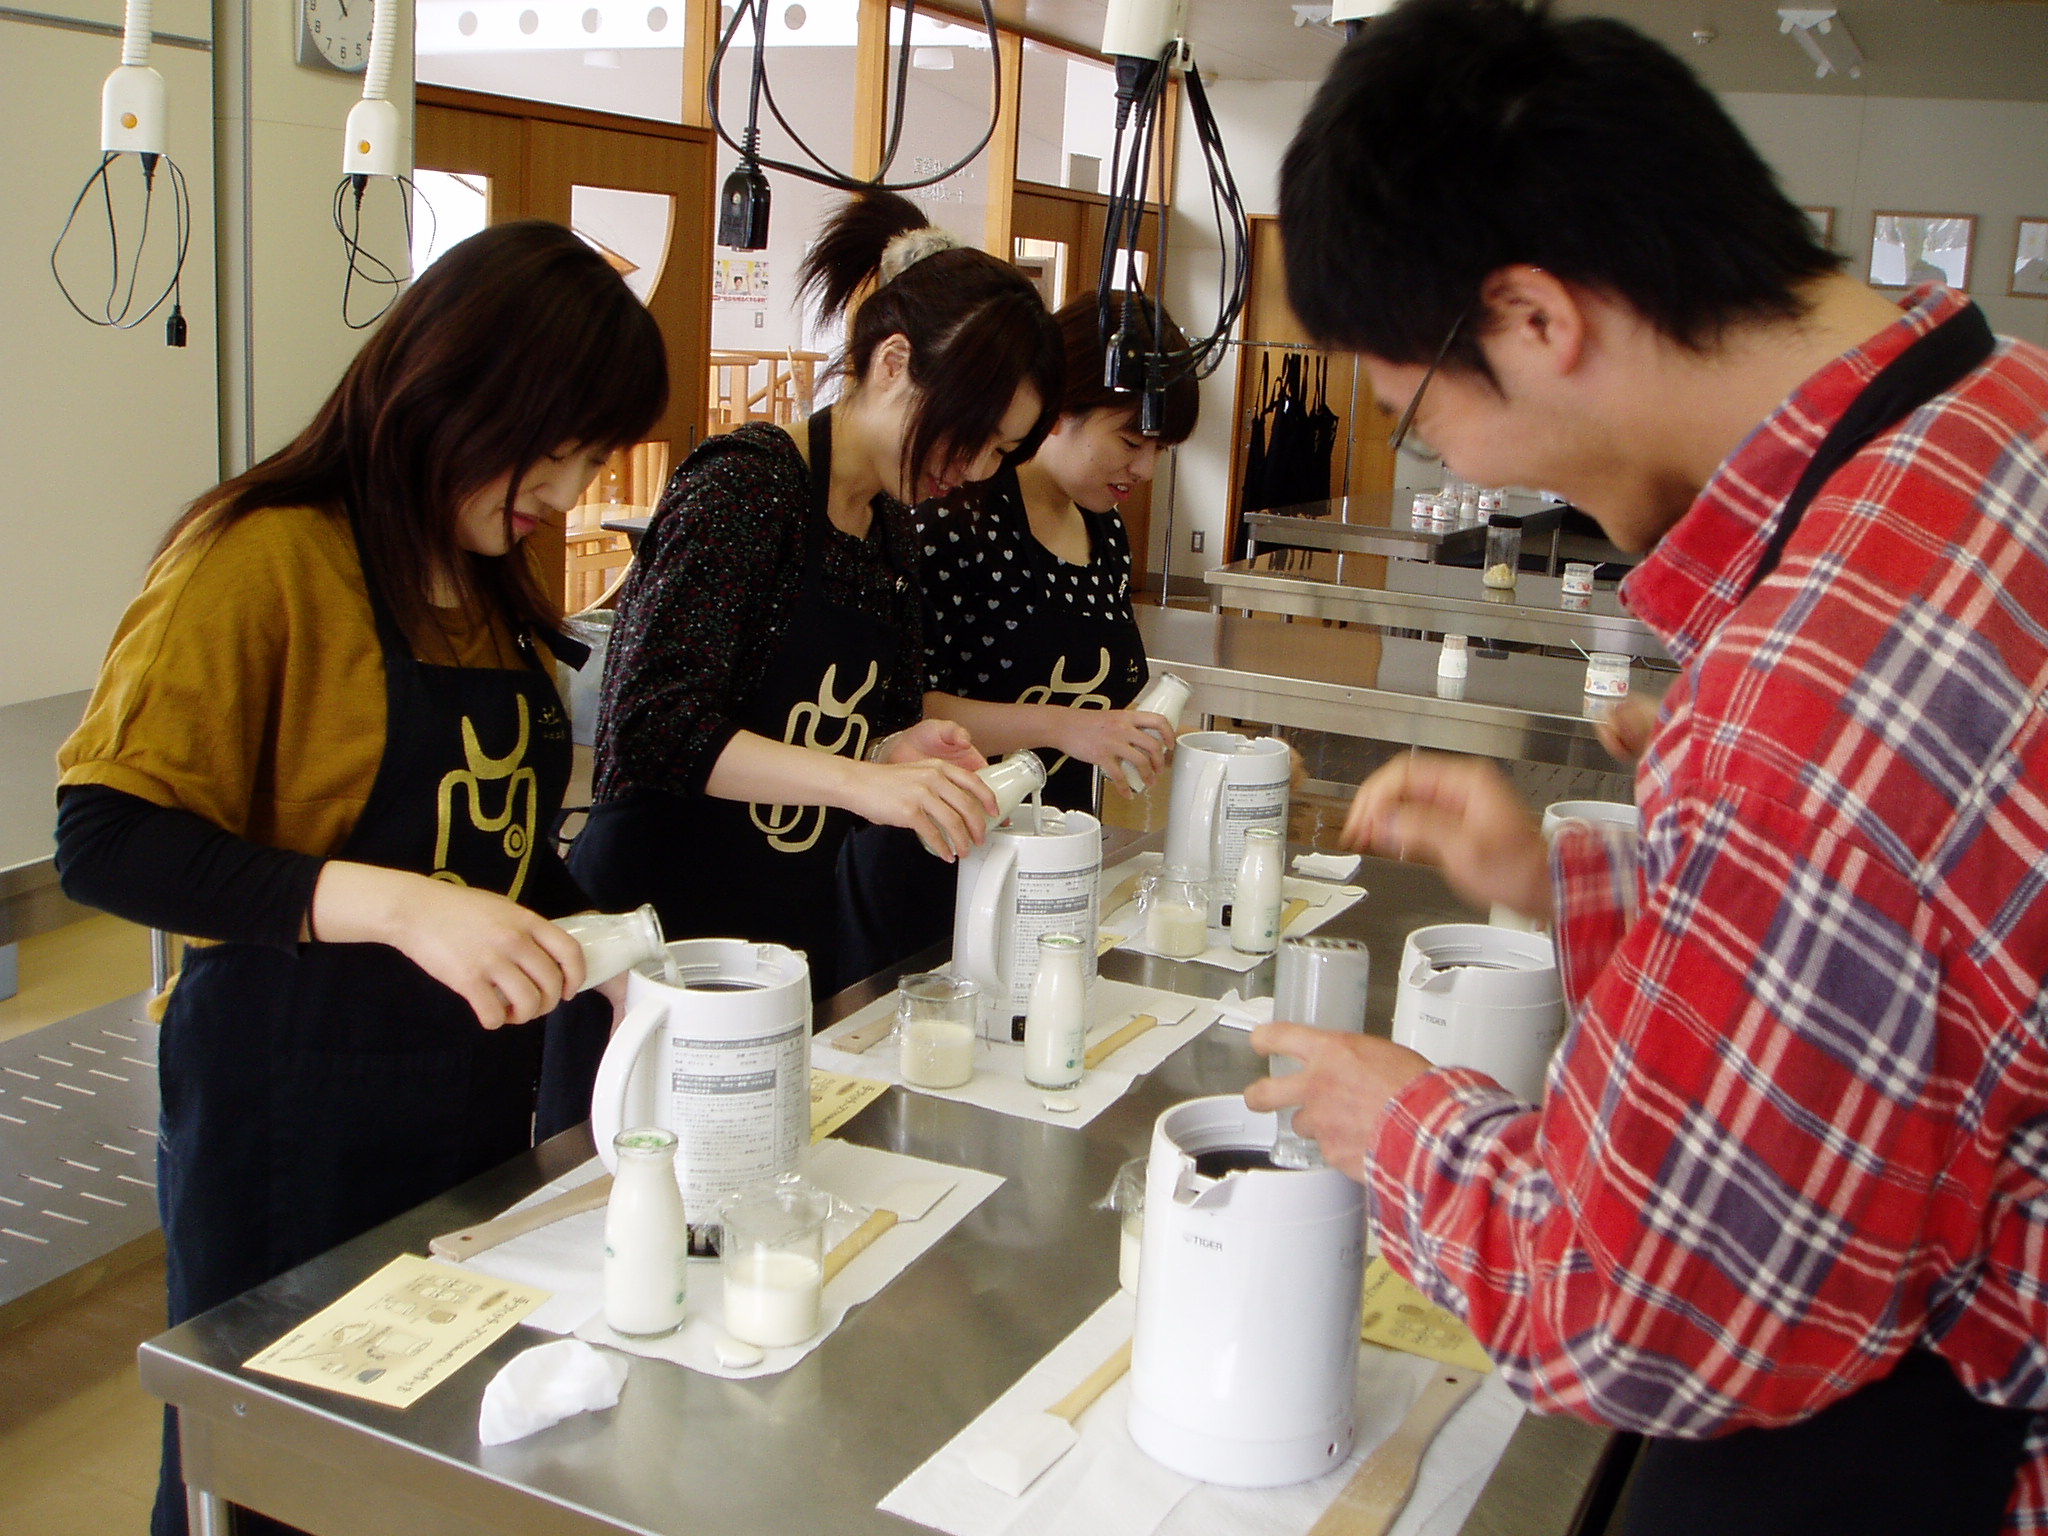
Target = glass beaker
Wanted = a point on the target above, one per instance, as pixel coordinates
(937, 1029)
(1503, 550)
(771, 1255)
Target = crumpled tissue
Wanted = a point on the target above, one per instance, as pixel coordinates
(1326, 866)
(544, 1386)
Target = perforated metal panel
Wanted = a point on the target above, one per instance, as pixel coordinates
(78, 1114)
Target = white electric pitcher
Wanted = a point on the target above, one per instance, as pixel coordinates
(1035, 874)
(1472, 995)
(1224, 784)
(1244, 1358)
(722, 1058)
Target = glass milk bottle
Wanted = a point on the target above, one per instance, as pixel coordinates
(1255, 907)
(1165, 695)
(646, 1241)
(1012, 779)
(1056, 1016)
(614, 942)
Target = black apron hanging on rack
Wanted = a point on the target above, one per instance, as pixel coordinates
(734, 869)
(309, 1095)
(1914, 1452)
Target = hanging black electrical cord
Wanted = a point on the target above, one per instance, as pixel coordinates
(826, 174)
(1151, 367)
(364, 264)
(121, 317)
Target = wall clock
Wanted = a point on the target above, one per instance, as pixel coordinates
(335, 35)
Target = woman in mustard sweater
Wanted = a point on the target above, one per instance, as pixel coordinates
(325, 740)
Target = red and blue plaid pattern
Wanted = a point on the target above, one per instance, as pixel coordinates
(1800, 1121)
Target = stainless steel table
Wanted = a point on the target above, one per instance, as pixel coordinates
(813, 1449)
(1362, 682)
(1441, 599)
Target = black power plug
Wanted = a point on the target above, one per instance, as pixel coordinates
(743, 209)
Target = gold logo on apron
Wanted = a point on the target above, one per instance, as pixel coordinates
(797, 828)
(1074, 695)
(521, 806)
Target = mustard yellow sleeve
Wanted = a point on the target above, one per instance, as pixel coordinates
(244, 684)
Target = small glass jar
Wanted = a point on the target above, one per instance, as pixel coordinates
(1578, 578)
(1607, 674)
(1175, 902)
(938, 1029)
(1453, 660)
(771, 1257)
(1492, 500)
(1503, 550)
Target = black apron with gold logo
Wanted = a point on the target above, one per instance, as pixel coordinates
(727, 868)
(310, 1095)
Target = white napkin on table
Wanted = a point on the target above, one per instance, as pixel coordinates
(545, 1385)
(1326, 866)
(1246, 1013)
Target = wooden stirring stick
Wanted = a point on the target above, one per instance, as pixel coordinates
(470, 1241)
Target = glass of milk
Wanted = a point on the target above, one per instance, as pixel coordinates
(1175, 901)
(771, 1250)
(938, 1029)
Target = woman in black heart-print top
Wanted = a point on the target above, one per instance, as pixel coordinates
(1029, 636)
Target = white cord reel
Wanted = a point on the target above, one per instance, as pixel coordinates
(374, 144)
(134, 106)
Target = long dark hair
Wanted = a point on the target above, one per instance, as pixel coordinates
(518, 340)
(1087, 387)
(977, 328)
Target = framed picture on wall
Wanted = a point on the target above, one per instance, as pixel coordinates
(1908, 249)
(2030, 260)
(1823, 220)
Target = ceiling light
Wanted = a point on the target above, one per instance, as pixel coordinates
(1825, 38)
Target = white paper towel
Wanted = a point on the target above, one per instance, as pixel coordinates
(1125, 925)
(545, 1385)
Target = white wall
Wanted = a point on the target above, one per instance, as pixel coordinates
(105, 434)
(1855, 154)
(1862, 155)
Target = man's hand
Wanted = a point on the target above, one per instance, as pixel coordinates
(1457, 813)
(1627, 730)
(1343, 1087)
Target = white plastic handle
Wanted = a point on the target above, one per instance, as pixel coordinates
(615, 1075)
(982, 948)
(1208, 796)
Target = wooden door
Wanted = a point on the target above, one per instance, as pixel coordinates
(579, 168)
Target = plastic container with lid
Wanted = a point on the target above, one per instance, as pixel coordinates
(1503, 550)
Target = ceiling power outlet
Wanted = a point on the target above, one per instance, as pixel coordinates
(1198, 541)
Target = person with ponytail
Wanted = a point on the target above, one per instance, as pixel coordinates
(1030, 640)
(326, 743)
(764, 685)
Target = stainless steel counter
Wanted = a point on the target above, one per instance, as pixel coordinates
(1442, 599)
(1360, 682)
(811, 1450)
(30, 733)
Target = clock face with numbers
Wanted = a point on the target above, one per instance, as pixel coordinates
(335, 34)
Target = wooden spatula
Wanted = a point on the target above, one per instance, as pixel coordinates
(471, 1241)
(1373, 1499)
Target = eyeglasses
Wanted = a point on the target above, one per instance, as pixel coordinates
(1421, 449)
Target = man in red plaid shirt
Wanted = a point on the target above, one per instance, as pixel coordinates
(1784, 1207)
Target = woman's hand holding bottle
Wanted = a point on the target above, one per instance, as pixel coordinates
(1117, 741)
(509, 964)
(946, 805)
